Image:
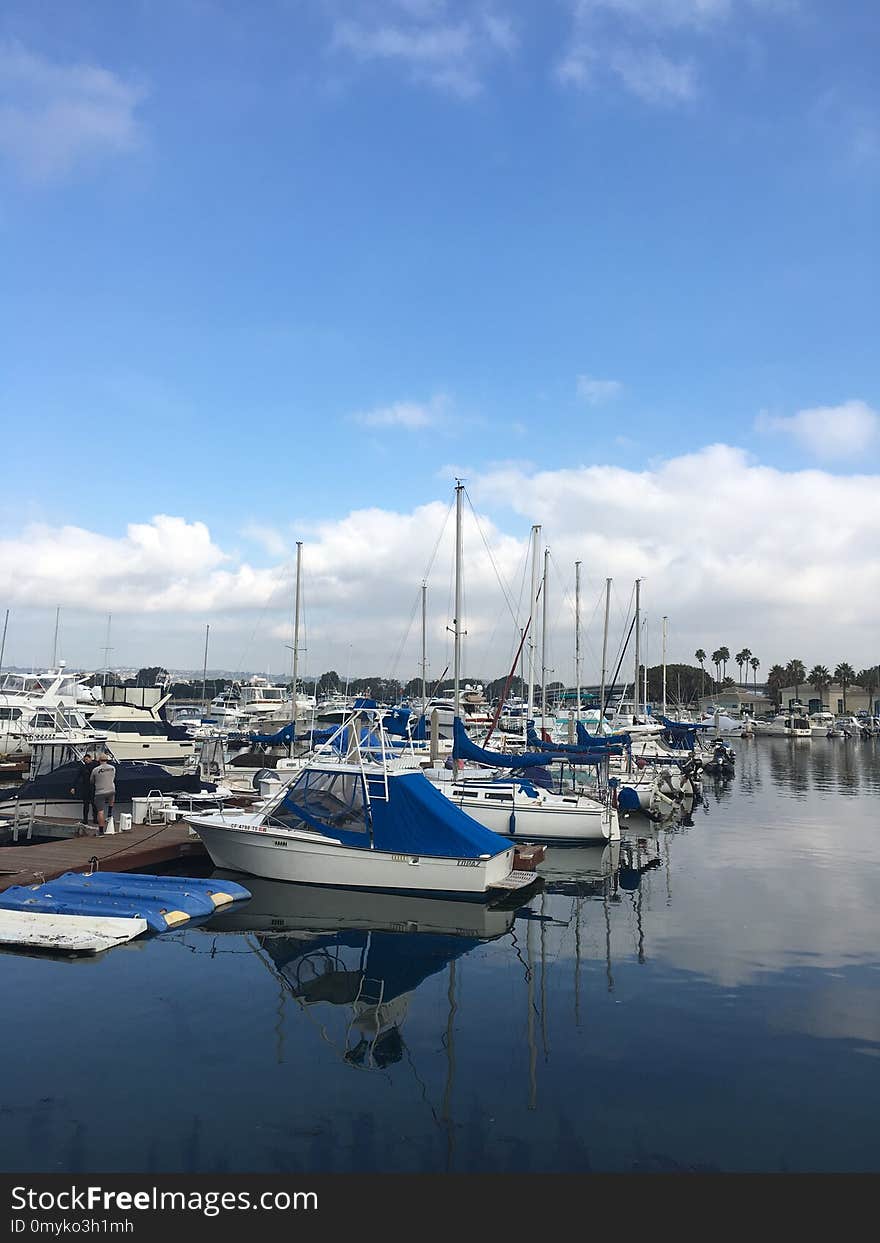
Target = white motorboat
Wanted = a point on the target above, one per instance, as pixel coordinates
(32, 704)
(365, 821)
(140, 733)
(786, 725)
(820, 723)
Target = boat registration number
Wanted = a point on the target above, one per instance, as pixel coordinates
(468, 863)
(278, 842)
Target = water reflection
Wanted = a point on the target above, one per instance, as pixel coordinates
(364, 952)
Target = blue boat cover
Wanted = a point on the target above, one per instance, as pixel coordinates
(586, 739)
(122, 895)
(464, 749)
(598, 748)
(398, 721)
(415, 819)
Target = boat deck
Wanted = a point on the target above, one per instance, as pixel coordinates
(142, 846)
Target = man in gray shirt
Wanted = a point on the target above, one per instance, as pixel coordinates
(103, 781)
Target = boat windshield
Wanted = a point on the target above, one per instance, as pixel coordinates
(322, 800)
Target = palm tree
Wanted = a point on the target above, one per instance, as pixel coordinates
(724, 657)
(700, 656)
(742, 658)
(776, 679)
(716, 661)
(869, 679)
(820, 679)
(756, 665)
(845, 675)
(796, 674)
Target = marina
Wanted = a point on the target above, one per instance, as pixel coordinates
(439, 664)
(700, 996)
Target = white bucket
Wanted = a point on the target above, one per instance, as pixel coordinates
(110, 827)
(124, 821)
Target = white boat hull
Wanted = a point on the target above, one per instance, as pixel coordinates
(243, 844)
(581, 821)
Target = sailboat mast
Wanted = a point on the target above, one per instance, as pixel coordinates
(424, 645)
(456, 673)
(3, 644)
(533, 604)
(299, 549)
(55, 640)
(205, 671)
(665, 620)
(577, 638)
(637, 678)
(604, 652)
(544, 638)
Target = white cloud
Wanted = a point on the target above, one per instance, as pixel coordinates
(450, 55)
(55, 117)
(405, 415)
(596, 392)
(828, 432)
(653, 76)
(730, 550)
(645, 46)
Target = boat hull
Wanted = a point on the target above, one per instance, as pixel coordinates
(246, 846)
(557, 824)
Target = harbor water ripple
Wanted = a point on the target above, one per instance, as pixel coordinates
(707, 998)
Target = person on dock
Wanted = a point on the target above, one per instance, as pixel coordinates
(103, 781)
(83, 787)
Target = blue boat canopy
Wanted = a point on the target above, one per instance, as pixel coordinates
(414, 819)
(464, 749)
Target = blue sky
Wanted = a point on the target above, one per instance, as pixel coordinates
(265, 265)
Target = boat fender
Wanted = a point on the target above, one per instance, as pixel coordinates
(511, 824)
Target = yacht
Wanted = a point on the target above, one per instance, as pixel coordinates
(794, 724)
(41, 702)
(820, 723)
(132, 724)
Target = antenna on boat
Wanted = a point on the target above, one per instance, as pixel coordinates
(107, 650)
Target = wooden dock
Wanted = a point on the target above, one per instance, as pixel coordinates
(143, 846)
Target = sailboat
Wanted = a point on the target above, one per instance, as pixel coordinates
(512, 803)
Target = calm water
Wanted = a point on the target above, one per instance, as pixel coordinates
(712, 1002)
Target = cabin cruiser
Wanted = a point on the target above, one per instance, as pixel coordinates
(359, 815)
(37, 702)
(131, 722)
(794, 724)
(820, 723)
(850, 727)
